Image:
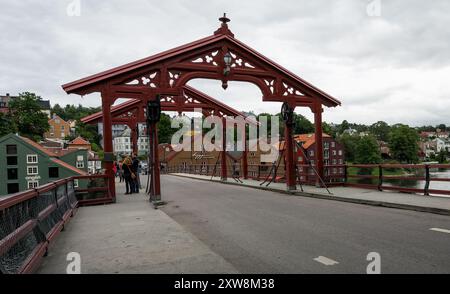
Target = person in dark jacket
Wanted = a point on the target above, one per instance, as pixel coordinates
(135, 170)
(127, 175)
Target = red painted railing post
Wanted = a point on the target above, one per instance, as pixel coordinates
(380, 178)
(224, 150)
(427, 180)
(345, 174)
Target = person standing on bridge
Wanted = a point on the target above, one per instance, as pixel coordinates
(127, 175)
(135, 169)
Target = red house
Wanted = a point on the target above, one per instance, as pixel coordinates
(333, 154)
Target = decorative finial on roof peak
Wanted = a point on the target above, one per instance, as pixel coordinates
(224, 19)
(224, 30)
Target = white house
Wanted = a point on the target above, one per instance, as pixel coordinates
(94, 163)
(123, 144)
(442, 144)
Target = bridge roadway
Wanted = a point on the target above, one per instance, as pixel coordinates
(223, 228)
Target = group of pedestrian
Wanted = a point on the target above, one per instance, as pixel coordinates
(128, 171)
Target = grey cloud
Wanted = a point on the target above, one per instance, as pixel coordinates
(373, 64)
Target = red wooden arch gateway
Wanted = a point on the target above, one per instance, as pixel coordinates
(166, 73)
(132, 112)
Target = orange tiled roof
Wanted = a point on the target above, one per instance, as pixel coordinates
(308, 139)
(79, 141)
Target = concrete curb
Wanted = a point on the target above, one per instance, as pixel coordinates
(333, 198)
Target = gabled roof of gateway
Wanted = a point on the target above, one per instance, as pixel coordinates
(218, 36)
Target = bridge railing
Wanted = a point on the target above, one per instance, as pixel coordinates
(254, 171)
(409, 178)
(198, 169)
(30, 220)
(93, 189)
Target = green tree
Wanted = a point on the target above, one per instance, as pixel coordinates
(343, 126)
(442, 127)
(380, 130)
(302, 125)
(329, 129)
(6, 124)
(26, 113)
(367, 151)
(165, 130)
(59, 111)
(403, 143)
(442, 156)
(349, 142)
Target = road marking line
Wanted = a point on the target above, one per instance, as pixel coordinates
(325, 260)
(440, 230)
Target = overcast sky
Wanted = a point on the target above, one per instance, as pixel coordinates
(388, 63)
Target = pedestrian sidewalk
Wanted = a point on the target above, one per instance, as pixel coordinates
(131, 237)
(431, 204)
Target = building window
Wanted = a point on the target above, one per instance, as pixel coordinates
(57, 121)
(53, 172)
(333, 144)
(311, 153)
(340, 152)
(11, 149)
(334, 152)
(62, 129)
(32, 158)
(300, 159)
(11, 160)
(334, 171)
(80, 158)
(33, 184)
(80, 164)
(334, 162)
(75, 183)
(341, 161)
(63, 135)
(32, 170)
(12, 174)
(326, 145)
(312, 162)
(326, 153)
(13, 188)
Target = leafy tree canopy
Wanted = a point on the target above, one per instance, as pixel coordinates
(367, 151)
(403, 143)
(26, 114)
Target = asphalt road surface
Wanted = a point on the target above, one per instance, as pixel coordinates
(266, 232)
